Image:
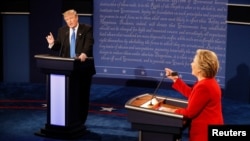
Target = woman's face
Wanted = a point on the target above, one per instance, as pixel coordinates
(195, 67)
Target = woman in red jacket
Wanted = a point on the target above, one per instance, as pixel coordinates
(204, 98)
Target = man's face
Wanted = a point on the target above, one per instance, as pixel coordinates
(71, 20)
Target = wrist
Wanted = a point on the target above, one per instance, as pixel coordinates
(175, 78)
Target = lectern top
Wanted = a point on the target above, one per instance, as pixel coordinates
(51, 57)
(138, 103)
(62, 64)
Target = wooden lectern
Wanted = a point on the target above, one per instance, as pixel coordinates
(62, 96)
(152, 123)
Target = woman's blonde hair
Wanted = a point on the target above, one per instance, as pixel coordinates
(208, 62)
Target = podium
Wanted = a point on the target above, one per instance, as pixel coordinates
(152, 123)
(63, 120)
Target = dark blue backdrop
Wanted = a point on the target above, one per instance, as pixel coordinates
(138, 39)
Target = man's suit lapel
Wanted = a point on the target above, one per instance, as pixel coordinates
(80, 34)
(65, 42)
(67, 37)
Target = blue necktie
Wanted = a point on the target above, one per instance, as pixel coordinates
(72, 44)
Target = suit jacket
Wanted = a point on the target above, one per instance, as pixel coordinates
(84, 43)
(204, 106)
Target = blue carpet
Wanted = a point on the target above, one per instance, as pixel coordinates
(22, 112)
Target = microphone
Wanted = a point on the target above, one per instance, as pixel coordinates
(174, 73)
(62, 43)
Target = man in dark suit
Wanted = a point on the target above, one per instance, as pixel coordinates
(81, 35)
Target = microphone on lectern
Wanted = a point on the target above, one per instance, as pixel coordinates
(174, 73)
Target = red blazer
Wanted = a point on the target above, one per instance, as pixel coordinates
(204, 106)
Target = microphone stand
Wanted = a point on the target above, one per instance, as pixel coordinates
(174, 73)
(154, 94)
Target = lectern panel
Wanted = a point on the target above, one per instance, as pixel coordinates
(57, 99)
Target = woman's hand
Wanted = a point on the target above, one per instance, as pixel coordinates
(166, 109)
(168, 73)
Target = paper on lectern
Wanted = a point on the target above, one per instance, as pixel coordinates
(150, 103)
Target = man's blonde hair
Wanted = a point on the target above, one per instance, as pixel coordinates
(70, 12)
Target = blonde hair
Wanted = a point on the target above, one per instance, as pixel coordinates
(70, 12)
(208, 62)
